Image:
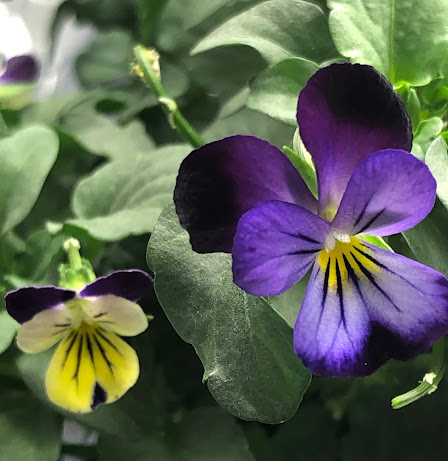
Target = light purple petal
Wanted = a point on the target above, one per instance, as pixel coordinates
(367, 306)
(19, 69)
(275, 245)
(389, 192)
(345, 112)
(23, 304)
(220, 181)
(128, 284)
(332, 328)
(406, 299)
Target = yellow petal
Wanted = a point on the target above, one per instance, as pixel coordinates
(43, 331)
(90, 366)
(118, 315)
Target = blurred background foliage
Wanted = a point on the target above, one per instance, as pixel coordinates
(99, 163)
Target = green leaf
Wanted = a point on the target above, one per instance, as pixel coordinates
(8, 329)
(244, 345)
(277, 29)
(184, 22)
(29, 431)
(288, 303)
(106, 60)
(100, 135)
(26, 158)
(378, 241)
(426, 132)
(437, 160)
(211, 433)
(126, 197)
(305, 169)
(251, 122)
(404, 41)
(428, 239)
(276, 90)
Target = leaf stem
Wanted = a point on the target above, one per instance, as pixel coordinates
(430, 381)
(148, 70)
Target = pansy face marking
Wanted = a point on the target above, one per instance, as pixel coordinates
(363, 305)
(91, 364)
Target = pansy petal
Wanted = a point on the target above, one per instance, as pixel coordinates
(129, 284)
(345, 112)
(389, 192)
(90, 366)
(24, 303)
(19, 69)
(275, 245)
(333, 327)
(407, 301)
(118, 315)
(365, 305)
(44, 330)
(220, 181)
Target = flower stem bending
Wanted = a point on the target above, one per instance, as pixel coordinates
(148, 70)
(430, 381)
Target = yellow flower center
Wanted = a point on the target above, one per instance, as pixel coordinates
(346, 256)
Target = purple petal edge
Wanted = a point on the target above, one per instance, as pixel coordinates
(20, 69)
(345, 112)
(130, 284)
(222, 180)
(24, 303)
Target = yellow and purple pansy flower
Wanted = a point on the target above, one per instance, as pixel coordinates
(91, 364)
(363, 305)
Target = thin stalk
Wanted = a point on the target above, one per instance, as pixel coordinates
(430, 381)
(148, 70)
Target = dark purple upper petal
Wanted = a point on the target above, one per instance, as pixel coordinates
(345, 112)
(24, 303)
(19, 69)
(389, 192)
(220, 181)
(275, 245)
(366, 307)
(129, 284)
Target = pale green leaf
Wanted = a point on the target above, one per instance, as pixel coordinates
(277, 29)
(244, 345)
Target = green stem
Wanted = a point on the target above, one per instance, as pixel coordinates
(147, 61)
(71, 247)
(429, 382)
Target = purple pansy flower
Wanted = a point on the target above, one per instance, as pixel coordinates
(19, 70)
(363, 305)
(91, 364)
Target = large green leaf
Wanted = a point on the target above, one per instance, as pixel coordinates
(405, 41)
(437, 160)
(26, 158)
(276, 90)
(277, 29)
(126, 197)
(244, 345)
